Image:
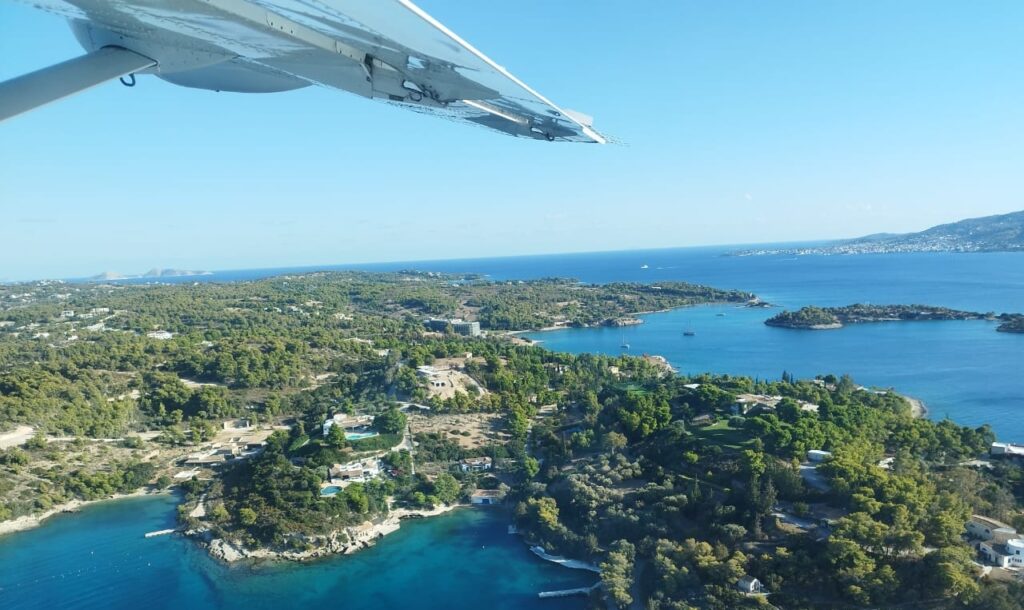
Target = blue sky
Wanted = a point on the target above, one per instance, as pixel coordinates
(740, 122)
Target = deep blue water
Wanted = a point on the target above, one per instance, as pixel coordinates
(99, 559)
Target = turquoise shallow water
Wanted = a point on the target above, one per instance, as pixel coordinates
(99, 559)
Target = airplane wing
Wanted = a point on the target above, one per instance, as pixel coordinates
(386, 50)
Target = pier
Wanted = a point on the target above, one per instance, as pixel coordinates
(568, 592)
(562, 561)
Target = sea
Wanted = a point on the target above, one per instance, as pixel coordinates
(966, 371)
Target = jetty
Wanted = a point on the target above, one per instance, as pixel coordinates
(575, 564)
(160, 533)
(568, 592)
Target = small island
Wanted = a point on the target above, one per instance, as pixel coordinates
(827, 318)
(813, 318)
(1012, 323)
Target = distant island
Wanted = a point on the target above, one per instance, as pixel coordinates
(827, 318)
(1012, 323)
(1001, 233)
(107, 276)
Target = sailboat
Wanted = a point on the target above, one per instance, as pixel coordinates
(624, 344)
(688, 332)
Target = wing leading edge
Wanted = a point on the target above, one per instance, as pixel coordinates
(387, 50)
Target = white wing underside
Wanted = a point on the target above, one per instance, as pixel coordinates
(389, 50)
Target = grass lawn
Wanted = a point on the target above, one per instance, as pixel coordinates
(722, 434)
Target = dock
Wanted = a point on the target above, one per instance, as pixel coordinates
(564, 562)
(160, 533)
(568, 592)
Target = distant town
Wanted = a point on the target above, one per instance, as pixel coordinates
(1002, 233)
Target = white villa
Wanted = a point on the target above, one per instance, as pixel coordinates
(353, 472)
(347, 422)
(475, 464)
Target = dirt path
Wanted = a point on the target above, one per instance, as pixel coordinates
(16, 437)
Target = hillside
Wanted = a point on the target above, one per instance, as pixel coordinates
(1001, 233)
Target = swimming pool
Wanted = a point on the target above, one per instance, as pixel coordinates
(357, 436)
(330, 490)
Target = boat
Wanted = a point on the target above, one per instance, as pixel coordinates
(689, 333)
(644, 267)
(624, 345)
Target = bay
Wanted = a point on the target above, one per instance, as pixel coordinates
(99, 558)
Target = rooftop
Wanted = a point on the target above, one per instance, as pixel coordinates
(990, 523)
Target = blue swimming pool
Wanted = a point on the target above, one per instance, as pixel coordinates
(330, 490)
(356, 436)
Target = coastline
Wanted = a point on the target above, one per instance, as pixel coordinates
(545, 329)
(345, 541)
(918, 410)
(27, 522)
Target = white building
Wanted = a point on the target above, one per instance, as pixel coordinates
(749, 584)
(1007, 555)
(985, 529)
(475, 464)
(347, 422)
(1006, 450)
(485, 497)
(354, 472)
(160, 335)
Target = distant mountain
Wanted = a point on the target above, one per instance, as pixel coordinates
(1001, 233)
(107, 276)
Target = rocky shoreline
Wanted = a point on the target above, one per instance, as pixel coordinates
(344, 541)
